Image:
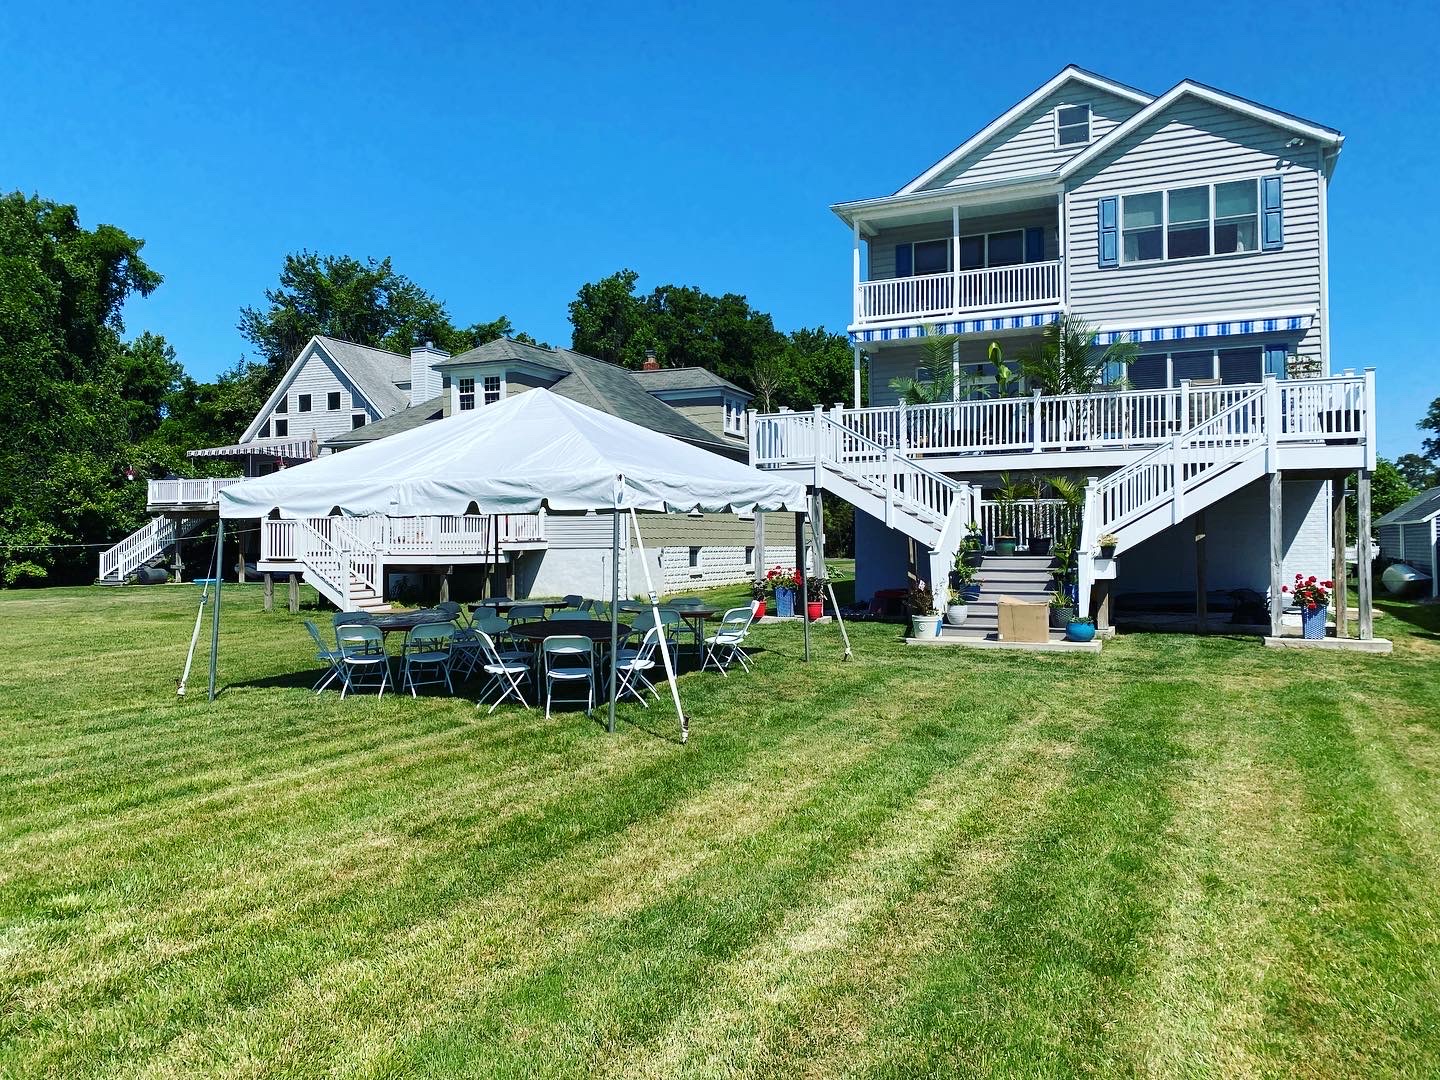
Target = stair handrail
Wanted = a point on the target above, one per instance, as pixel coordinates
(124, 556)
(932, 491)
(1167, 461)
(339, 562)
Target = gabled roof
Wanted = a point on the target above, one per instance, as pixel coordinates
(374, 372)
(1070, 74)
(1325, 136)
(687, 378)
(1418, 510)
(408, 418)
(506, 349)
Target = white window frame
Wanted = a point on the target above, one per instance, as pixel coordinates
(1164, 194)
(303, 402)
(466, 400)
(362, 418)
(734, 417)
(335, 396)
(498, 390)
(1089, 125)
(697, 567)
(282, 420)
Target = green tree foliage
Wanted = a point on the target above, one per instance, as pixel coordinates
(687, 327)
(1430, 447)
(1419, 471)
(1070, 359)
(80, 401)
(1388, 490)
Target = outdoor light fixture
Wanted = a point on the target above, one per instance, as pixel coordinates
(130, 472)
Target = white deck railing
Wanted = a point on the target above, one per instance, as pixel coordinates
(1310, 410)
(137, 549)
(957, 293)
(188, 493)
(1028, 519)
(393, 538)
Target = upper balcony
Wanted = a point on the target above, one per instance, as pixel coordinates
(957, 294)
(187, 496)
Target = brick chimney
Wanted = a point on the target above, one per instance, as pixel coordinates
(425, 381)
(651, 364)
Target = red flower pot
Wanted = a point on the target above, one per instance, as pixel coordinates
(759, 609)
(814, 609)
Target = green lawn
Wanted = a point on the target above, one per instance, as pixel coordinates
(1182, 857)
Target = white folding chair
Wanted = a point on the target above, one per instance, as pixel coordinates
(363, 655)
(331, 658)
(631, 666)
(506, 675)
(560, 658)
(726, 645)
(426, 656)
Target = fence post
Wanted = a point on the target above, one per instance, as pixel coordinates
(750, 435)
(902, 436)
(1370, 447)
(1035, 421)
(889, 486)
(1271, 420)
(1177, 480)
(1184, 424)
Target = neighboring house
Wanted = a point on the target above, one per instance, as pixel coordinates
(1411, 534)
(337, 395)
(1192, 223)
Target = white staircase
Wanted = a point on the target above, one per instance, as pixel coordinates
(146, 544)
(924, 505)
(341, 567)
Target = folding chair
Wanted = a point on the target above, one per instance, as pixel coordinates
(362, 651)
(673, 624)
(452, 611)
(526, 612)
(329, 657)
(505, 675)
(558, 656)
(631, 666)
(567, 614)
(726, 645)
(573, 600)
(427, 651)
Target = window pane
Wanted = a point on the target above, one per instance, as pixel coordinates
(1234, 200)
(1189, 204)
(1007, 248)
(1074, 114)
(972, 252)
(932, 257)
(1240, 365)
(1192, 365)
(1189, 240)
(1072, 124)
(1142, 246)
(1141, 211)
(1237, 235)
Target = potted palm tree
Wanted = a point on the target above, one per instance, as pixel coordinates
(972, 550)
(1007, 497)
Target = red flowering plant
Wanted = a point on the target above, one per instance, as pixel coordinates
(1310, 593)
(779, 577)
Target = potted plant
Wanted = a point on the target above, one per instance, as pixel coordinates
(1313, 598)
(1080, 628)
(1040, 545)
(1007, 500)
(815, 596)
(924, 623)
(759, 593)
(1107, 545)
(972, 550)
(1062, 610)
(962, 578)
(956, 610)
(782, 583)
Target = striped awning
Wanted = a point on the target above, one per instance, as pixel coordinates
(956, 326)
(1229, 327)
(289, 449)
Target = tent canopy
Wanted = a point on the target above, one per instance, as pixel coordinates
(530, 451)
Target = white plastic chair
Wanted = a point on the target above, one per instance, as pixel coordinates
(567, 650)
(427, 652)
(506, 675)
(673, 625)
(726, 645)
(331, 658)
(526, 612)
(631, 666)
(362, 649)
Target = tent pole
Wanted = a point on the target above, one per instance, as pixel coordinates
(664, 644)
(614, 608)
(801, 549)
(215, 615)
(817, 533)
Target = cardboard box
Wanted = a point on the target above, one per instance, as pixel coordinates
(1021, 620)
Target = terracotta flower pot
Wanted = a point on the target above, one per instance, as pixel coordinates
(814, 609)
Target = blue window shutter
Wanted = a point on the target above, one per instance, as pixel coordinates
(904, 260)
(1272, 216)
(1275, 356)
(1035, 244)
(1108, 211)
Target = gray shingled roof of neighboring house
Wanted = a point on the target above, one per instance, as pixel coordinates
(686, 378)
(375, 371)
(600, 385)
(408, 418)
(1421, 508)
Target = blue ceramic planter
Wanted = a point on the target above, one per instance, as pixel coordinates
(1080, 631)
(1312, 623)
(785, 603)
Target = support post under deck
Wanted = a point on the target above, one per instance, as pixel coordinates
(1337, 542)
(1202, 602)
(1364, 582)
(1277, 553)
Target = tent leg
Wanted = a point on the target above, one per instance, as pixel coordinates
(817, 533)
(215, 615)
(664, 644)
(614, 609)
(803, 571)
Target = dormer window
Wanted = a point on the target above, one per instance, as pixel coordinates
(1072, 125)
(467, 395)
(734, 417)
(492, 389)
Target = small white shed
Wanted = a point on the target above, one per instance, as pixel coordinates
(1411, 534)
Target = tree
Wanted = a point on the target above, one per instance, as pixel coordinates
(937, 382)
(77, 397)
(1419, 471)
(1430, 447)
(1388, 490)
(1070, 360)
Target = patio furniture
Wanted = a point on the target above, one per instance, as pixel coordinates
(561, 661)
(329, 657)
(727, 644)
(631, 666)
(669, 617)
(351, 618)
(452, 611)
(526, 612)
(427, 652)
(363, 656)
(573, 600)
(565, 614)
(506, 675)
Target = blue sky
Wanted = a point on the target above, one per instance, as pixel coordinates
(503, 156)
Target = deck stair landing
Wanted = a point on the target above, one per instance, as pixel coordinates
(1025, 577)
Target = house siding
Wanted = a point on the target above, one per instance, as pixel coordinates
(1190, 143)
(1026, 146)
(709, 416)
(881, 247)
(901, 361)
(319, 376)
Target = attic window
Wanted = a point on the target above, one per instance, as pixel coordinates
(1072, 125)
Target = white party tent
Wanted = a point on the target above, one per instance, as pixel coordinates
(532, 451)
